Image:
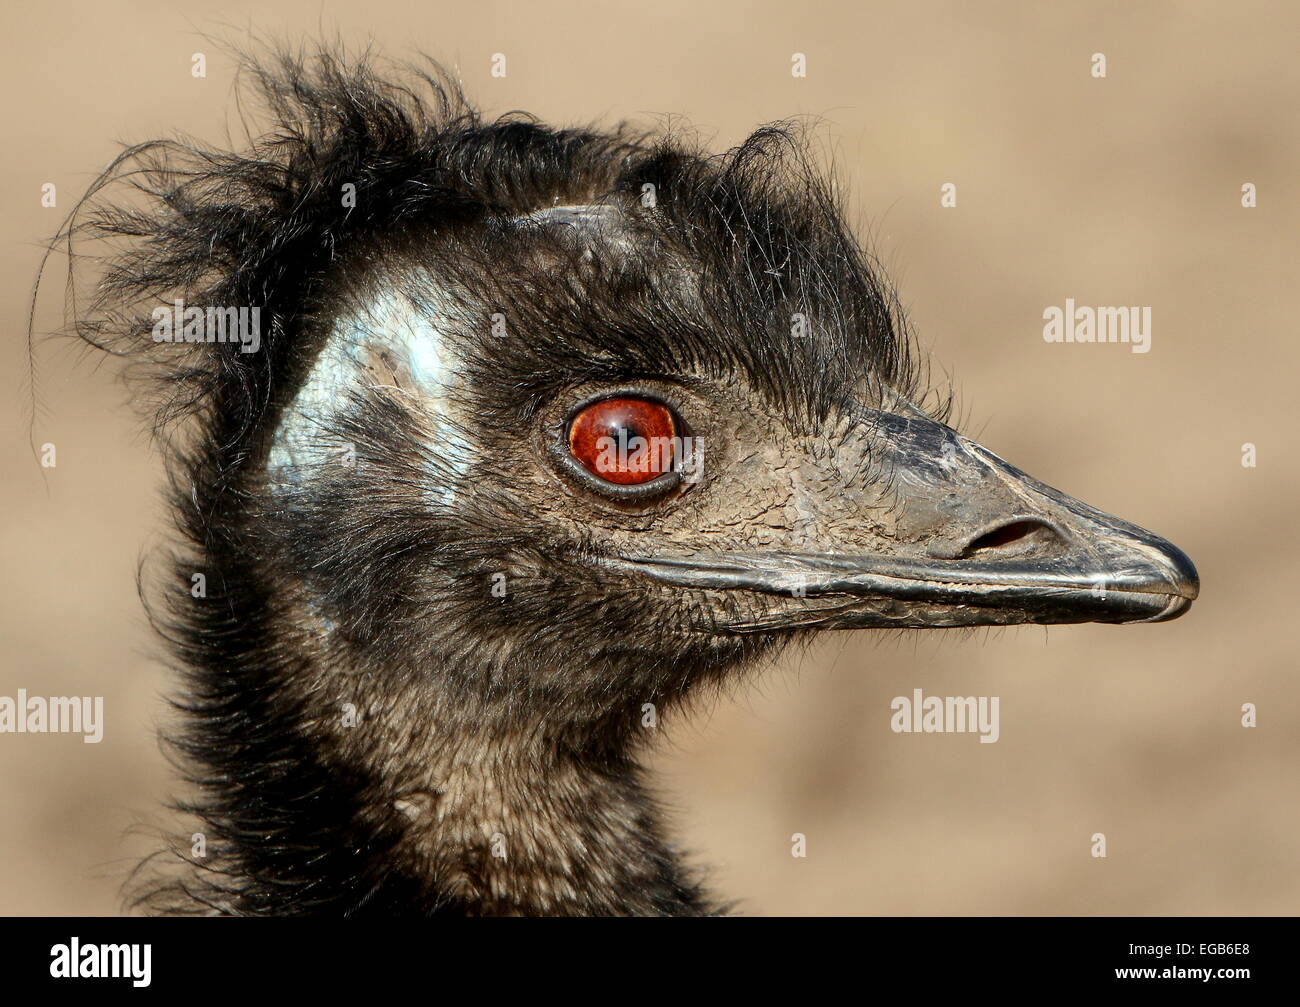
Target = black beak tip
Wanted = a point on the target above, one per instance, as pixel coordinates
(1185, 576)
(1180, 582)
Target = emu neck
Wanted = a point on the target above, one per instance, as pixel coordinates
(394, 796)
(389, 774)
(504, 826)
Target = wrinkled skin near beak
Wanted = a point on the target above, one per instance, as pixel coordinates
(973, 541)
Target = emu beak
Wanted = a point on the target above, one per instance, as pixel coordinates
(968, 540)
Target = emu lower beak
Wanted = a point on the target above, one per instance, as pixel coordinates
(972, 541)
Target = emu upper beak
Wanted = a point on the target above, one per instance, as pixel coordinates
(970, 541)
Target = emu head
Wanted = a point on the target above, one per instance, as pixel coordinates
(577, 420)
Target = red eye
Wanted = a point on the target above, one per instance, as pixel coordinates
(624, 441)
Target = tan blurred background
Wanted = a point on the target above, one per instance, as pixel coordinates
(1122, 191)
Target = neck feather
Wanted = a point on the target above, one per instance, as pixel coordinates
(333, 791)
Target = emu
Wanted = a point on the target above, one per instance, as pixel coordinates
(427, 585)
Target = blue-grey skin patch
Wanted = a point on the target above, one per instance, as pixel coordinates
(586, 222)
(389, 327)
(584, 215)
(414, 338)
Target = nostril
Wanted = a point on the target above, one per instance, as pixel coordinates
(1016, 536)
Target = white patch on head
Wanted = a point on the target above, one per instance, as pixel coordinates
(582, 215)
(417, 341)
(588, 223)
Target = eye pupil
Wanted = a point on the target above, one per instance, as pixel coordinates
(624, 440)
